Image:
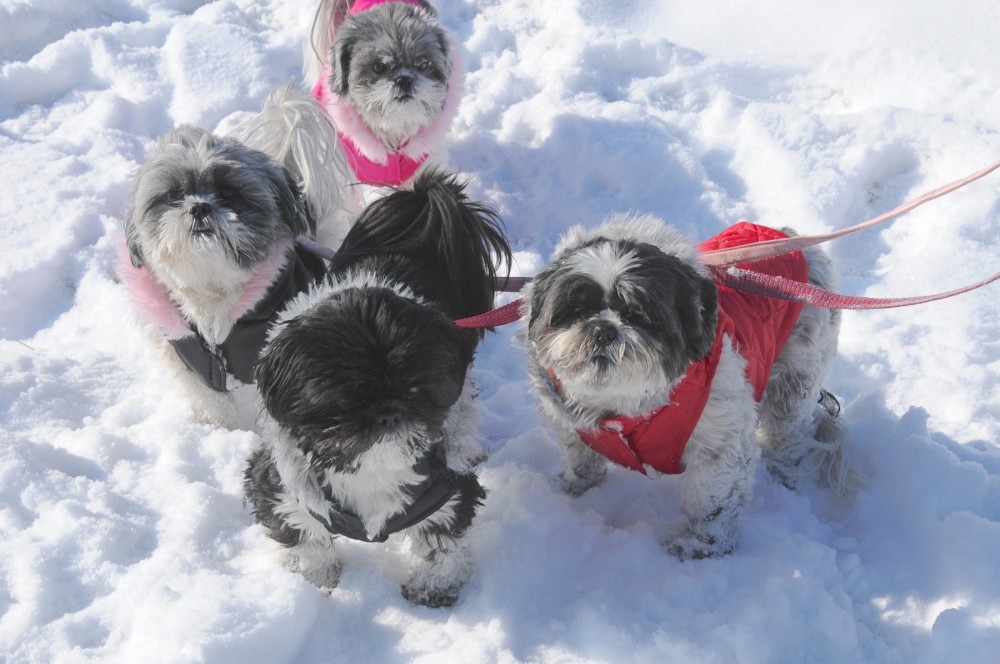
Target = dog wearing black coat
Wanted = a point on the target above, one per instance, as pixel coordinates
(367, 412)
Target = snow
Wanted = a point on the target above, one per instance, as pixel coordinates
(124, 535)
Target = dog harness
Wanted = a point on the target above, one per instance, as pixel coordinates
(430, 495)
(370, 159)
(758, 326)
(237, 355)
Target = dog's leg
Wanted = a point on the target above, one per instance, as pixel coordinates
(719, 462)
(583, 467)
(317, 562)
(308, 548)
(440, 564)
(716, 487)
(799, 433)
(462, 447)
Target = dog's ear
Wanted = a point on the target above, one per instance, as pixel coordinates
(537, 293)
(340, 63)
(132, 240)
(278, 379)
(339, 13)
(702, 317)
(291, 205)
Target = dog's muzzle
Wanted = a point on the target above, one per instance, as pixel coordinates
(603, 333)
(201, 213)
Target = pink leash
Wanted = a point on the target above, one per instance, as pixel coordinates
(502, 315)
(749, 281)
(771, 248)
(720, 262)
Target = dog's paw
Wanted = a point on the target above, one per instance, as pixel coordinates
(323, 575)
(699, 547)
(324, 578)
(431, 597)
(575, 485)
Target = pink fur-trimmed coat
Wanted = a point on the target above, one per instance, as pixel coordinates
(369, 158)
(288, 271)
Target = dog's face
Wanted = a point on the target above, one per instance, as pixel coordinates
(392, 63)
(204, 205)
(619, 314)
(365, 366)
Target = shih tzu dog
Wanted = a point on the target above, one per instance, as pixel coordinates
(636, 355)
(367, 412)
(386, 85)
(390, 79)
(211, 258)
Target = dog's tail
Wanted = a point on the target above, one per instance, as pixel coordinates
(436, 239)
(293, 129)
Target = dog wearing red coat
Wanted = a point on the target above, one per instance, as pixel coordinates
(638, 357)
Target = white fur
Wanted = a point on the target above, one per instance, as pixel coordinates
(316, 48)
(211, 292)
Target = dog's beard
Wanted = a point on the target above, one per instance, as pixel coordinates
(618, 376)
(205, 263)
(189, 251)
(395, 117)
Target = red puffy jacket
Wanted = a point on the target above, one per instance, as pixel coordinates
(759, 327)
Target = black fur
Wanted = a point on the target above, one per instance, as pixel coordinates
(366, 355)
(433, 239)
(262, 487)
(362, 353)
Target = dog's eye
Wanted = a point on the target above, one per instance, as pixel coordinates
(424, 66)
(225, 193)
(174, 195)
(380, 67)
(635, 314)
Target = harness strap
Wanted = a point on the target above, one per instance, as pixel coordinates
(427, 497)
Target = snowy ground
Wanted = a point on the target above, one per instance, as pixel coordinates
(124, 537)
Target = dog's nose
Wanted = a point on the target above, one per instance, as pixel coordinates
(200, 210)
(388, 419)
(603, 333)
(403, 83)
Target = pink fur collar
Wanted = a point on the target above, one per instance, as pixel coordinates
(155, 305)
